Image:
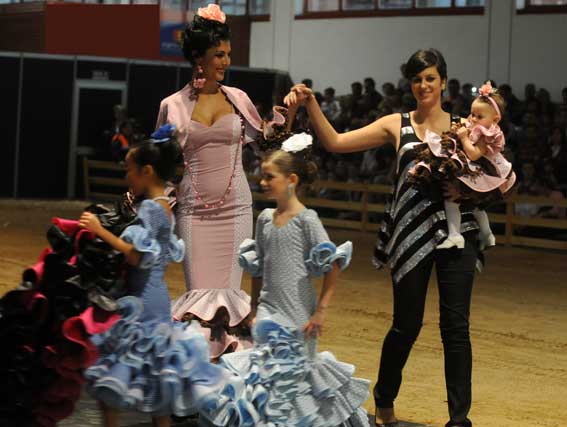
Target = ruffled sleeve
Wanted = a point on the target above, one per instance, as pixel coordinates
(143, 237)
(322, 257)
(248, 258)
(322, 253)
(251, 252)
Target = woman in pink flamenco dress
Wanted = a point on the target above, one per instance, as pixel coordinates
(214, 202)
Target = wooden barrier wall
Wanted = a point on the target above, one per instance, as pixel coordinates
(106, 178)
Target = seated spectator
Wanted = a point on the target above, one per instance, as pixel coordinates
(558, 156)
(453, 95)
(546, 124)
(530, 119)
(369, 165)
(121, 141)
(394, 102)
(529, 146)
(460, 107)
(355, 108)
(331, 193)
(545, 104)
(341, 170)
(511, 134)
(388, 89)
(513, 104)
(308, 83)
(386, 156)
(551, 190)
(563, 106)
(530, 104)
(331, 107)
(530, 185)
(323, 192)
(372, 97)
(542, 184)
(353, 177)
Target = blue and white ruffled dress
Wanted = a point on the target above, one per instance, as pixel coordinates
(148, 362)
(286, 382)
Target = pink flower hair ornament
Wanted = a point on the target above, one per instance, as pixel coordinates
(212, 12)
(485, 91)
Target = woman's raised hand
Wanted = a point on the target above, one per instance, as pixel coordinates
(297, 95)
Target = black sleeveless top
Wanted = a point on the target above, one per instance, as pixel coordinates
(414, 222)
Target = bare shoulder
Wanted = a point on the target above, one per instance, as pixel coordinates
(392, 122)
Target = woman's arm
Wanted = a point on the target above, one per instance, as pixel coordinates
(291, 112)
(91, 223)
(381, 132)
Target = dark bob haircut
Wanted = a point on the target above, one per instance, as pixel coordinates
(425, 58)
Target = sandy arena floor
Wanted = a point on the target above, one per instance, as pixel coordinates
(519, 324)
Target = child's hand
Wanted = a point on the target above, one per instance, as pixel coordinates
(90, 222)
(314, 327)
(462, 132)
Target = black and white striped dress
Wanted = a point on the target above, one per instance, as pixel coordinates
(414, 223)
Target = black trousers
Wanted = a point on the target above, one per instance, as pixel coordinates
(455, 275)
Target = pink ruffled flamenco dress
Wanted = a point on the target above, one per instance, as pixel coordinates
(482, 181)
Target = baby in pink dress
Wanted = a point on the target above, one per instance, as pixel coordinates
(481, 139)
(476, 164)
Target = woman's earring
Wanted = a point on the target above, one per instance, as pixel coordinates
(199, 80)
(289, 191)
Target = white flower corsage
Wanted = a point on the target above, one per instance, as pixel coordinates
(297, 143)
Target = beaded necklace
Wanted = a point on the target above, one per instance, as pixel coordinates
(220, 202)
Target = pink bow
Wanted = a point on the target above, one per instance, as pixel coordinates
(433, 140)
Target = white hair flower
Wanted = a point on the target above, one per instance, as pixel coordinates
(297, 143)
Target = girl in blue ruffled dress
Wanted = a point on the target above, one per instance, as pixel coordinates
(148, 363)
(286, 381)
